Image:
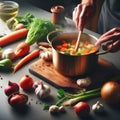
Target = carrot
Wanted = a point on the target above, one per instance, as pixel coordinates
(22, 49)
(26, 59)
(72, 52)
(65, 45)
(13, 36)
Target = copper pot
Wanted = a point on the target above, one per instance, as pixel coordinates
(73, 65)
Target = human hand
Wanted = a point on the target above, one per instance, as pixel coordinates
(112, 39)
(82, 14)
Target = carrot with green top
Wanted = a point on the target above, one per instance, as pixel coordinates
(13, 36)
(26, 59)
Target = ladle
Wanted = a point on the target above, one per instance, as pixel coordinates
(78, 41)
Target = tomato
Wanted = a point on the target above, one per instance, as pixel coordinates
(82, 109)
(110, 92)
(26, 82)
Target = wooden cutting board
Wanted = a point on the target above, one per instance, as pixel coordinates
(45, 71)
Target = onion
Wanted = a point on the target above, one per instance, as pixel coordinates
(11, 88)
(110, 92)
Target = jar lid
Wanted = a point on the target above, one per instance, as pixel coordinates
(57, 9)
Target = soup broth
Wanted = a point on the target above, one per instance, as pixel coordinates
(68, 48)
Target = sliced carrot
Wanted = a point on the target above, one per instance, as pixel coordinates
(72, 52)
(86, 42)
(26, 59)
(13, 36)
(86, 51)
(58, 47)
(63, 49)
(94, 49)
(65, 45)
(73, 42)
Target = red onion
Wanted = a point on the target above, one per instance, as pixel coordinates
(17, 100)
(11, 88)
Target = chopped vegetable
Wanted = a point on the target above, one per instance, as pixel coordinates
(68, 47)
(26, 59)
(13, 36)
(65, 98)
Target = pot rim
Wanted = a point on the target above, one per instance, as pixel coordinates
(97, 52)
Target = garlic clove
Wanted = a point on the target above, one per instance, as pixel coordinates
(84, 82)
(47, 56)
(62, 109)
(98, 107)
(54, 109)
(35, 85)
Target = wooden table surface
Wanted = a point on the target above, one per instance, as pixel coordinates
(35, 111)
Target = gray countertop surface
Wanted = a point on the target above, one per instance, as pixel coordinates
(35, 111)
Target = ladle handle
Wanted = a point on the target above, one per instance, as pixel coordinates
(78, 41)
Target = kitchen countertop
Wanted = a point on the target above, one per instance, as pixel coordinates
(35, 111)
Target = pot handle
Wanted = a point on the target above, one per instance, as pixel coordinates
(105, 51)
(51, 33)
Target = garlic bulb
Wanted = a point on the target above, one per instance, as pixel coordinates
(8, 53)
(35, 85)
(47, 55)
(98, 107)
(84, 82)
(42, 91)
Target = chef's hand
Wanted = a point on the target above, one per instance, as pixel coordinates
(83, 13)
(112, 39)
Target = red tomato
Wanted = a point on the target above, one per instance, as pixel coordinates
(82, 109)
(26, 82)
